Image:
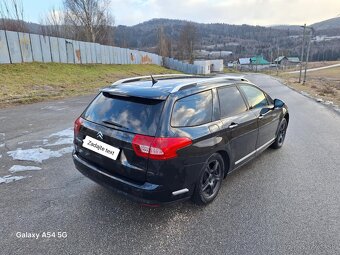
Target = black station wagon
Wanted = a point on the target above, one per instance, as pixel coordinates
(167, 138)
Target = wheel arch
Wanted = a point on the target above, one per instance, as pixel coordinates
(226, 160)
(286, 116)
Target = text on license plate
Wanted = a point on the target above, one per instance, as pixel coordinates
(100, 147)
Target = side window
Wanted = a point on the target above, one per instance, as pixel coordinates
(231, 101)
(192, 110)
(255, 97)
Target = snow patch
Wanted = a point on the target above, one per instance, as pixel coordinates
(2, 145)
(66, 150)
(33, 141)
(38, 154)
(63, 133)
(65, 137)
(62, 141)
(53, 108)
(19, 168)
(10, 178)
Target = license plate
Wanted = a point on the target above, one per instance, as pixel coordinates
(100, 147)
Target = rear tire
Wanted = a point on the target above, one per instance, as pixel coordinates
(281, 135)
(210, 179)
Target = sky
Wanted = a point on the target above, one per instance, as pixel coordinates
(252, 12)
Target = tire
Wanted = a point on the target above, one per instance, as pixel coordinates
(210, 179)
(281, 135)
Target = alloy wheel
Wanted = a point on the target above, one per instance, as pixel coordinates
(211, 178)
(282, 133)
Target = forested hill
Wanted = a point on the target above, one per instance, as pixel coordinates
(242, 40)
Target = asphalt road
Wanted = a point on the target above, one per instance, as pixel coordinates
(286, 201)
(317, 68)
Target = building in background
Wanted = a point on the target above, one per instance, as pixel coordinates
(212, 65)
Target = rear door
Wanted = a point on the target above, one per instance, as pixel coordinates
(114, 121)
(239, 124)
(268, 122)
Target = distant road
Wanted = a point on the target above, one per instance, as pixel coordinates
(318, 68)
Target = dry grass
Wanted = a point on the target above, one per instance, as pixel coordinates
(33, 82)
(323, 84)
(230, 70)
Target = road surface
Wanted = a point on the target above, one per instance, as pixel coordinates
(317, 68)
(284, 202)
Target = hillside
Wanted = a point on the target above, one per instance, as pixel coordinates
(328, 24)
(242, 40)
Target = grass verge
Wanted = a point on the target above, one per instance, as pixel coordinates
(324, 84)
(34, 82)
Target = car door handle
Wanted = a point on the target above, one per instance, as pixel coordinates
(233, 125)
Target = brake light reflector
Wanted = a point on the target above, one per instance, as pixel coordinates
(77, 125)
(159, 148)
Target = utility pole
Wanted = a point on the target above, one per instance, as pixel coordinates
(307, 57)
(302, 51)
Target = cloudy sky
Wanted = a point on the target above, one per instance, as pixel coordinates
(253, 12)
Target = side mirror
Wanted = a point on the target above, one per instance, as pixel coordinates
(278, 103)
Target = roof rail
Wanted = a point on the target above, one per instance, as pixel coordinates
(208, 80)
(139, 78)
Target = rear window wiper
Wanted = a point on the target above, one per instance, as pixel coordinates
(114, 124)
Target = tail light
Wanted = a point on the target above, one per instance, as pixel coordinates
(159, 148)
(77, 125)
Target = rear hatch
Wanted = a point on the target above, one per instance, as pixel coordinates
(114, 120)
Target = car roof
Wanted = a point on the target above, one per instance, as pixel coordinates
(159, 87)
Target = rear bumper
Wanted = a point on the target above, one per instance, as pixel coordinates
(146, 193)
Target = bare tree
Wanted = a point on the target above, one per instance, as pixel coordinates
(187, 41)
(12, 15)
(164, 44)
(90, 20)
(54, 23)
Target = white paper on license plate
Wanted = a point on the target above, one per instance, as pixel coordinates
(100, 147)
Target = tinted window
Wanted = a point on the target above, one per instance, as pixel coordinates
(231, 101)
(192, 110)
(137, 115)
(255, 97)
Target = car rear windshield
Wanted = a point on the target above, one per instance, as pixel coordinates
(136, 115)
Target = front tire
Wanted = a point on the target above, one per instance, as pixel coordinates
(210, 179)
(281, 134)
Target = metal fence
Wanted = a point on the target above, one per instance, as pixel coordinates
(16, 47)
(182, 67)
